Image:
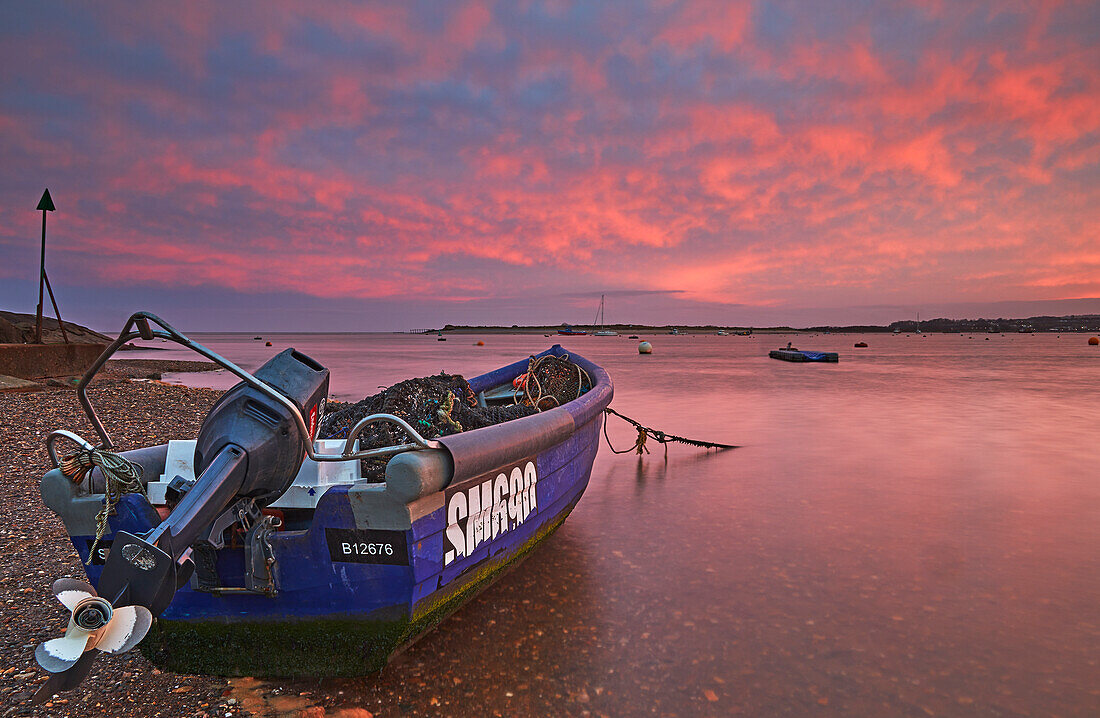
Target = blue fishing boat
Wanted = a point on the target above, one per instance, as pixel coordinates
(798, 355)
(569, 331)
(261, 551)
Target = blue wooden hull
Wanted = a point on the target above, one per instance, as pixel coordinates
(349, 594)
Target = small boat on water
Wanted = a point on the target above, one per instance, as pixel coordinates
(262, 550)
(799, 355)
(602, 331)
(569, 331)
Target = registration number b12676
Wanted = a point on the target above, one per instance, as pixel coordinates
(362, 548)
(367, 546)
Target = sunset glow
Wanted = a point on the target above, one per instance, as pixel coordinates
(509, 162)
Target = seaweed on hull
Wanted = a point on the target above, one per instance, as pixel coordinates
(435, 406)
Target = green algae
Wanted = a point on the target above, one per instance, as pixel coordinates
(329, 647)
(322, 647)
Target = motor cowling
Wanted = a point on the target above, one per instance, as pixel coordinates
(264, 427)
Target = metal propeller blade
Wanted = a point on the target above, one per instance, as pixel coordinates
(67, 679)
(127, 627)
(59, 654)
(71, 591)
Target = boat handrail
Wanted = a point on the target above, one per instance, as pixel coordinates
(137, 327)
(418, 441)
(53, 436)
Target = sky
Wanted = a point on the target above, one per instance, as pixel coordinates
(392, 166)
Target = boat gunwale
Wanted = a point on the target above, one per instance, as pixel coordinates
(482, 450)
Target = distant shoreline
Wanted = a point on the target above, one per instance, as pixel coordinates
(1067, 324)
(621, 329)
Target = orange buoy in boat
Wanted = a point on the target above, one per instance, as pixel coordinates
(1093, 341)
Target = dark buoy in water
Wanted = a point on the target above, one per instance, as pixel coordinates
(267, 344)
(861, 344)
(1093, 341)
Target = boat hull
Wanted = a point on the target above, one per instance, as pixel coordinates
(795, 355)
(369, 574)
(326, 646)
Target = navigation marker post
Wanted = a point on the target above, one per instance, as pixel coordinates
(46, 205)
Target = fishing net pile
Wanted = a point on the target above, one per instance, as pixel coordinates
(444, 404)
(435, 406)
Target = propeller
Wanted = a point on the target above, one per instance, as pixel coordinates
(93, 624)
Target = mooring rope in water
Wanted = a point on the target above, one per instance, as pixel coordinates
(120, 477)
(661, 437)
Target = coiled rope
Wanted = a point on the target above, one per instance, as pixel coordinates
(529, 387)
(445, 416)
(120, 477)
(645, 432)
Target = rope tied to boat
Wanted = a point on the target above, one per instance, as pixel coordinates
(550, 381)
(445, 416)
(661, 437)
(120, 475)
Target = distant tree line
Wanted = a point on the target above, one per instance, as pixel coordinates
(1071, 323)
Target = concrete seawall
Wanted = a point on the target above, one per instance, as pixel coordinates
(38, 361)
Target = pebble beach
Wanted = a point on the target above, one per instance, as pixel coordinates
(35, 550)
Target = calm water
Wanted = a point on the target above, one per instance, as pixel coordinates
(912, 531)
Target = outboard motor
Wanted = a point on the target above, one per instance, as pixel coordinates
(249, 450)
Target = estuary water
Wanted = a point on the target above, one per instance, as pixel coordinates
(912, 531)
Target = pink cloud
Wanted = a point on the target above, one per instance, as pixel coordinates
(708, 148)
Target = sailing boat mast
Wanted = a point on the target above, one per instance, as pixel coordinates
(601, 332)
